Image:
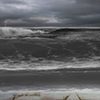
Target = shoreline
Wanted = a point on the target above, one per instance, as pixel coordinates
(64, 95)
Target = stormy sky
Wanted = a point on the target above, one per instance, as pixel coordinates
(50, 13)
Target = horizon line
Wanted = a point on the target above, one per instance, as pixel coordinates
(43, 27)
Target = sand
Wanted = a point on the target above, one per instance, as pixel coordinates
(53, 96)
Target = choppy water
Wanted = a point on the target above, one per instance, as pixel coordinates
(51, 59)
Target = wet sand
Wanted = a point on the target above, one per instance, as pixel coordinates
(55, 96)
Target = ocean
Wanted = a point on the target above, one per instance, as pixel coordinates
(49, 60)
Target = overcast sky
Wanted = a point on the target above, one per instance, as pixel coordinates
(51, 13)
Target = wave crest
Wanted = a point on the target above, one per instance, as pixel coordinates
(8, 32)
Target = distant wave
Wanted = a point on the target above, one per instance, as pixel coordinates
(9, 32)
(58, 33)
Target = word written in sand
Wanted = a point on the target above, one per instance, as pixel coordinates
(28, 94)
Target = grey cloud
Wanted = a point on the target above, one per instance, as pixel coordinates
(50, 13)
(12, 2)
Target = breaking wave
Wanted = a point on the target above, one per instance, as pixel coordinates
(63, 33)
(9, 32)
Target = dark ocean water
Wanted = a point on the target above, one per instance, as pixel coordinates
(31, 80)
(49, 58)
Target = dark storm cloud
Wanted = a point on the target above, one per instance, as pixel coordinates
(50, 12)
(12, 1)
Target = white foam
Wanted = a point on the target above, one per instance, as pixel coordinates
(9, 32)
(55, 90)
(47, 65)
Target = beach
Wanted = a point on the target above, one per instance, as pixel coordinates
(54, 96)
